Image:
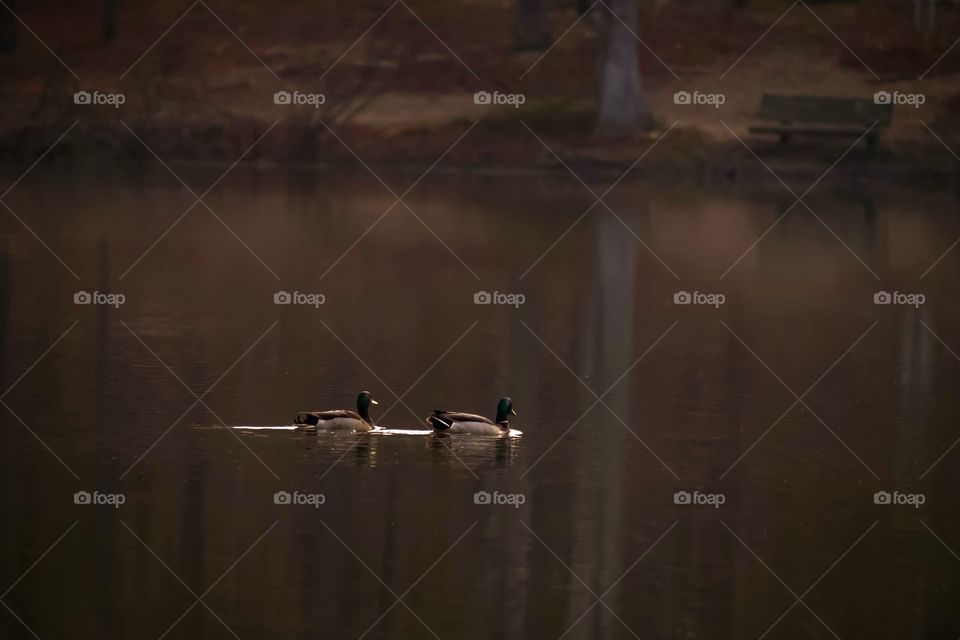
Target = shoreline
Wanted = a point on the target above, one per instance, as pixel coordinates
(689, 159)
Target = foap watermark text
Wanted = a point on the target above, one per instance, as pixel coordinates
(715, 100)
(297, 98)
(498, 99)
(698, 499)
(895, 498)
(96, 498)
(297, 498)
(297, 297)
(904, 99)
(98, 98)
(498, 498)
(699, 297)
(509, 299)
(98, 297)
(899, 298)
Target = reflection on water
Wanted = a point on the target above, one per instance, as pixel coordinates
(468, 450)
(624, 398)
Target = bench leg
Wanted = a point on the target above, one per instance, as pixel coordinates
(872, 139)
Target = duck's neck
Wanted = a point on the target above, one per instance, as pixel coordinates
(364, 412)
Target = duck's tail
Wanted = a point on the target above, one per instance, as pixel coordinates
(306, 418)
(438, 422)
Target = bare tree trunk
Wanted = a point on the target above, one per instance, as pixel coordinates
(924, 18)
(622, 107)
(109, 20)
(8, 30)
(533, 33)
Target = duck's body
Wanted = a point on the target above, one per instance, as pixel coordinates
(455, 422)
(334, 419)
(340, 419)
(458, 422)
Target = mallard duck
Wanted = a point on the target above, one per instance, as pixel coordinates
(341, 419)
(454, 422)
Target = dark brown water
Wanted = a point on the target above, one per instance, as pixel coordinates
(692, 398)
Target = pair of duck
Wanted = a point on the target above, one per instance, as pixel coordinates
(440, 420)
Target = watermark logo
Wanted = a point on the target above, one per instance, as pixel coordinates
(299, 499)
(511, 299)
(99, 499)
(715, 100)
(699, 499)
(497, 498)
(311, 299)
(96, 98)
(297, 98)
(697, 297)
(899, 499)
(909, 99)
(97, 297)
(911, 299)
(498, 99)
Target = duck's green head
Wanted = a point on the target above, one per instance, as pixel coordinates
(505, 410)
(364, 400)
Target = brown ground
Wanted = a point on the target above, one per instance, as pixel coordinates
(400, 96)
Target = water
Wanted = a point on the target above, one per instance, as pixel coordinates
(684, 406)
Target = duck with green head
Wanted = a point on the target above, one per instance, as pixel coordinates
(456, 422)
(340, 419)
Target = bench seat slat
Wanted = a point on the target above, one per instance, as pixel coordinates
(822, 116)
(810, 130)
(824, 110)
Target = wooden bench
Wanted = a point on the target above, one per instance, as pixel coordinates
(822, 116)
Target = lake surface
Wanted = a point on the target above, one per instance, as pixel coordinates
(782, 411)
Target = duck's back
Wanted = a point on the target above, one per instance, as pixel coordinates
(333, 419)
(456, 422)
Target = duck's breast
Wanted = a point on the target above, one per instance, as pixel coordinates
(344, 424)
(481, 428)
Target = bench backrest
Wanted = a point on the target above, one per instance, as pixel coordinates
(815, 109)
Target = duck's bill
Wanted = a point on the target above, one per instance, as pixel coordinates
(374, 402)
(514, 412)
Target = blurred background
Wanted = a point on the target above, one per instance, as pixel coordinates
(169, 169)
(399, 78)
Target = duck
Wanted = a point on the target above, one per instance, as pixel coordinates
(456, 422)
(340, 419)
